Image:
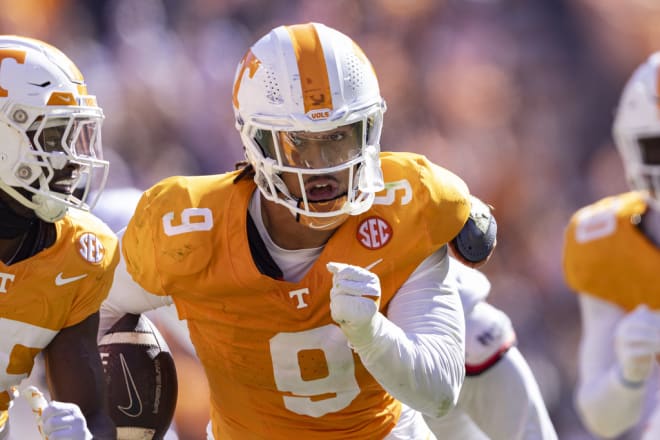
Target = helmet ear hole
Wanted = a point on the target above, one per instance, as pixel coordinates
(13, 170)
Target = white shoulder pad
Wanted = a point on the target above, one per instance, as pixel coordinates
(473, 286)
(489, 334)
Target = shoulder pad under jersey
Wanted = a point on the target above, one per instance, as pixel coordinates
(95, 241)
(442, 196)
(602, 238)
(489, 335)
(171, 233)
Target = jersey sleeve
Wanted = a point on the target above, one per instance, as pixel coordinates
(94, 288)
(93, 295)
(449, 194)
(489, 335)
(436, 197)
(158, 244)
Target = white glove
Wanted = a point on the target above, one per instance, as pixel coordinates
(636, 343)
(354, 297)
(57, 420)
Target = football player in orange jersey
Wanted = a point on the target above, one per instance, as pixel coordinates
(611, 258)
(313, 278)
(57, 259)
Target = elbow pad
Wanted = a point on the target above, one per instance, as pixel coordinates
(477, 240)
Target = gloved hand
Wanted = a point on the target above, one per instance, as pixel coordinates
(354, 297)
(57, 420)
(62, 420)
(636, 343)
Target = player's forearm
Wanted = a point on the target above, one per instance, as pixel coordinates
(126, 296)
(608, 406)
(425, 371)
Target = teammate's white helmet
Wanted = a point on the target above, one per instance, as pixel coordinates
(636, 129)
(50, 129)
(294, 86)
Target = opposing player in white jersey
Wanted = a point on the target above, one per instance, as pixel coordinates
(312, 278)
(56, 259)
(494, 368)
(611, 259)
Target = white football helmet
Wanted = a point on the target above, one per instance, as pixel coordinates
(636, 129)
(50, 130)
(303, 85)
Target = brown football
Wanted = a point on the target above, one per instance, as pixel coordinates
(141, 378)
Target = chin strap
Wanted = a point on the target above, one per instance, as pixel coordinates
(49, 210)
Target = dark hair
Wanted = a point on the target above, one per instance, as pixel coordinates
(247, 171)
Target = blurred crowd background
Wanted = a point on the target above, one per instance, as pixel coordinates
(515, 96)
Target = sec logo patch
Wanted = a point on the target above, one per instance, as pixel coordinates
(91, 248)
(374, 233)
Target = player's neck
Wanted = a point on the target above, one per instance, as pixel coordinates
(10, 247)
(286, 232)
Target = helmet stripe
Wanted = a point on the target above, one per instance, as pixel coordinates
(312, 67)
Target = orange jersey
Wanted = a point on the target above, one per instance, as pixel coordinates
(607, 256)
(56, 288)
(276, 362)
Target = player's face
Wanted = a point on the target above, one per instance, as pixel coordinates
(67, 139)
(325, 149)
(319, 151)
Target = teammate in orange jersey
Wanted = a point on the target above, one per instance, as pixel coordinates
(611, 258)
(313, 278)
(57, 260)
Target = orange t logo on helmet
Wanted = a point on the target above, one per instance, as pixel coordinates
(17, 55)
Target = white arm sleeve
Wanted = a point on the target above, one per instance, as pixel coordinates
(606, 405)
(506, 403)
(417, 354)
(127, 296)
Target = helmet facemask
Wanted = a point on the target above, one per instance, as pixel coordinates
(59, 163)
(322, 177)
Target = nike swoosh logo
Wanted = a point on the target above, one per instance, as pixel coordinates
(65, 98)
(372, 265)
(134, 407)
(60, 280)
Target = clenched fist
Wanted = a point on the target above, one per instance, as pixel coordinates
(57, 420)
(355, 295)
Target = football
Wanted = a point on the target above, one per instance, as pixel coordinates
(140, 376)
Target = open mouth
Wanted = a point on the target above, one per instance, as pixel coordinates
(321, 188)
(64, 184)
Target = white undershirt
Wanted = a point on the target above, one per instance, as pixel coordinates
(294, 264)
